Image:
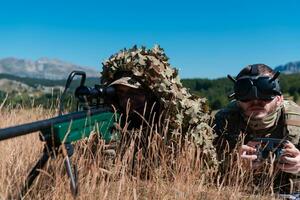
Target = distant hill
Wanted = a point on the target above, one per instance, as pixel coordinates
(10, 83)
(38, 79)
(43, 68)
(54, 69)
(289, 68)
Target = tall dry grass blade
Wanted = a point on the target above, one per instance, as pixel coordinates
(157, 171)
(4, 101)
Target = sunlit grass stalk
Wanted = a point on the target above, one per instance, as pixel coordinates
(158, 171)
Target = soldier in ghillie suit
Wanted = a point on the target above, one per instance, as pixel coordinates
(149, 93)
(259, 111)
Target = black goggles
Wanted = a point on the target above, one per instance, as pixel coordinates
(248, 88)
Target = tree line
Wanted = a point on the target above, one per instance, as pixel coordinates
(215, 90)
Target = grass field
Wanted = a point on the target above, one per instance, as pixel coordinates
(104, 177)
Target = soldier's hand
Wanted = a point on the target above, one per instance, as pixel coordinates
(290, 160)
(248, 153)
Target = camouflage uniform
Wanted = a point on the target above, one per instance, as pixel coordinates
(182, 112)
(230, 127)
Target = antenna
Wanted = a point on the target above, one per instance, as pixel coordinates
(231, 78)
(275, 76)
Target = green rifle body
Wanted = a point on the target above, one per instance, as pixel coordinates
(70, 127)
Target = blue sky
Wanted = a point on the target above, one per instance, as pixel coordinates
(204, 39)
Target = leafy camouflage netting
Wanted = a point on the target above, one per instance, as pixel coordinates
(186, 113)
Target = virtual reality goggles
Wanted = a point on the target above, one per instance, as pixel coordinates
(249, 88)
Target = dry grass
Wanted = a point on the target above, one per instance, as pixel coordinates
(101, 177)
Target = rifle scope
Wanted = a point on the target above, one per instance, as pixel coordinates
(84, 93)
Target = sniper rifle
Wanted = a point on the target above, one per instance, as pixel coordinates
(93, 114)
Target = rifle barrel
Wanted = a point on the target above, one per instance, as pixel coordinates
(24, 129)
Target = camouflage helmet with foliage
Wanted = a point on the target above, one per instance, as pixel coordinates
(185, 112)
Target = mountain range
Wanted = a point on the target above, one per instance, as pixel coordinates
(44, 74)
(54, 69)
(43, 68)
(289, 68)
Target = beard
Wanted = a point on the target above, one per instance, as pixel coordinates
(259, 109)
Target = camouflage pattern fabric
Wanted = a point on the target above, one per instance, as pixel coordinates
(230, 126)
(183, 112)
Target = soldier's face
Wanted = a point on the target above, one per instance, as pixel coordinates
(258, 109)
(131, 99)
(137, 104)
